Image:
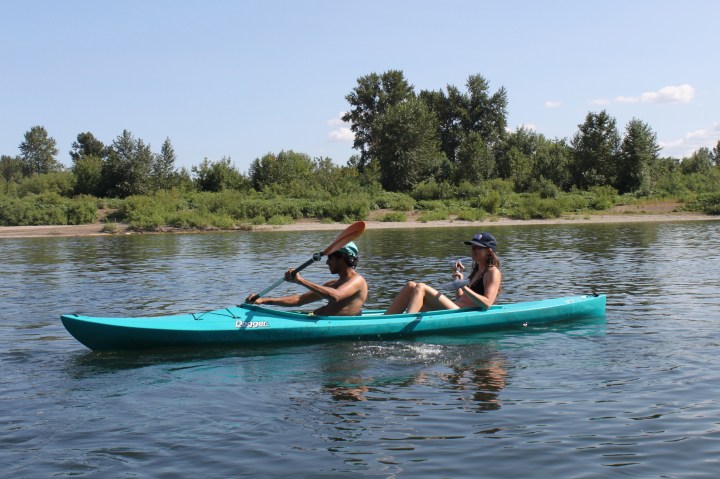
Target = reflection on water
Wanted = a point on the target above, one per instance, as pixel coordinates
(634, 392)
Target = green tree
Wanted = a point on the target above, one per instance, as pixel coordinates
(373, 95)
(406, 145)
(486, 113)
(163, 171)
(462, 113)
(552, 162)
(87, 145)
(699, 162)
(88, 172)
(638, 157)
(218, 176)
(88, 154)
(282, 170)
(475, 161)
(516, 157)
(449, 109)
(38, 152)
(128, 166)
(595, 151)
(11, 168)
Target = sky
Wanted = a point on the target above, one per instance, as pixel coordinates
(241, 79)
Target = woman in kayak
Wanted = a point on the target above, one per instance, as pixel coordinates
(482, 290)
(345, 295)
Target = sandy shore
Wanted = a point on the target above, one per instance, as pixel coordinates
(97, 229)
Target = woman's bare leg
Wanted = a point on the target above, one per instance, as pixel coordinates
(427, 298)
(401, 301)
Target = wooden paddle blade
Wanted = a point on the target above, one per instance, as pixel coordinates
(350, 233)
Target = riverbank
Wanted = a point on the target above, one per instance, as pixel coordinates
(100, 229)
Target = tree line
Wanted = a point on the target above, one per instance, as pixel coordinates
(405, 140)
(455, 135)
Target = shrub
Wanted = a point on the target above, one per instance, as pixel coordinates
(436, 215)
(280, 220)
(61, 183)
(394, 201)
(531, 206)
(708, 203)
(471, 214)
(432, 190)
(602, 197)
(393, 217)
(490, 202)
(82, 210)
(46, 209)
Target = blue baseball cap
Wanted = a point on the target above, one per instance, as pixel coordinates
(483, 240)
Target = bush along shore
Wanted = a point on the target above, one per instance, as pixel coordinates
(176, 210)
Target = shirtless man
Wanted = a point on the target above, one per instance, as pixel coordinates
(345, 295)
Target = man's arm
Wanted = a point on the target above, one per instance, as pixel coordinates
(328, 291)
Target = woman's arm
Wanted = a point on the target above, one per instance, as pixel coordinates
(491, 281)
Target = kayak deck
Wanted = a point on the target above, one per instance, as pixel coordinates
(251, 324)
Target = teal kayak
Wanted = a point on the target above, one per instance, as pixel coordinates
(250, 324)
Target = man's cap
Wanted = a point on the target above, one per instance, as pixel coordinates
(484, 240)
(349, 249)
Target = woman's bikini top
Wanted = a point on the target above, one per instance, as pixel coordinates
(479, 285)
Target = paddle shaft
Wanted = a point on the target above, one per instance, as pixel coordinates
(297, 270)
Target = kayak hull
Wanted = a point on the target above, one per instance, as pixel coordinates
(250, 324)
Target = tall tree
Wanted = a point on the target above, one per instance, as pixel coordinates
(87, 145)
(127, 168)
(163, 166)
(373, 95)
(406, 145)
(38, 152)
(638, 157)
(595, 151)
(486, 113)
(462, 113)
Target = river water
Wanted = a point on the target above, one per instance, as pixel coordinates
(634, 394)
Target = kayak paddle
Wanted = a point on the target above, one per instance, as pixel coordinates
(347, 235)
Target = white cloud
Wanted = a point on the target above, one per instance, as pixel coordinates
(692, 141)
(669, 94)
(343, 134)
(337, 121)
(552, 104)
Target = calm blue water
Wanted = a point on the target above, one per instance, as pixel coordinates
(632, 395)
